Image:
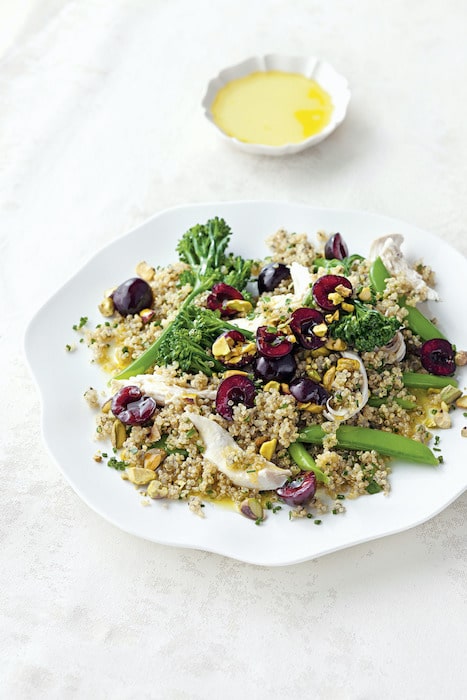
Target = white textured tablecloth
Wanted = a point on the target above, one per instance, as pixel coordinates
(100, 127)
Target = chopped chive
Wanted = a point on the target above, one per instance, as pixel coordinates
(82, 322)
(117, 464)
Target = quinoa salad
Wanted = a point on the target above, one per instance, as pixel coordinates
(288, 384)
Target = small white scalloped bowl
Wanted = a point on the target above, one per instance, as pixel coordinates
(311, 67)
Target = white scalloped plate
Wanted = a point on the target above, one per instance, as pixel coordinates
(309, 66)
(418, 492)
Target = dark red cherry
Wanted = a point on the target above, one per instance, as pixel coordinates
(233, 390)
(220, 294)
(326, 285)
(306, 390)
(280, 369)
(302, 323)
(123, 397)
(236, 339)
(271, 276)
(299, 491)
(437, 356)
(272, 343)
(131, 407)
(336, 248)
(132, 296)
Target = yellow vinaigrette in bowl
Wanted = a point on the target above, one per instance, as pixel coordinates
(272, 108)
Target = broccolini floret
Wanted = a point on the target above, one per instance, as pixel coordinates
(365, 328)
(203, 247)
(190, 338)
(186, 339)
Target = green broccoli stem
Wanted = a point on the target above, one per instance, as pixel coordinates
(351, 437)
(305, 461)
(190, 316)
(415, 320)
(148, 357)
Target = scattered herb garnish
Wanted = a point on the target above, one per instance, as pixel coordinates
(114, 463)
(82, 322)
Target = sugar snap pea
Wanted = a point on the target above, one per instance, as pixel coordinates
(415, 320)
(420, 324)
(377, 401)
(305, 461)
(351, 437)
(417, 380)
(378, 275)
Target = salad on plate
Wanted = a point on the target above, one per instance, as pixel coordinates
(288, 383)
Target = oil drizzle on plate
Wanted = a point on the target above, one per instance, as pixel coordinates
(272, 108)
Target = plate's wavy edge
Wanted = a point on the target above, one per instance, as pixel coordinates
(229, 202)
(167, 542)
(269, 562)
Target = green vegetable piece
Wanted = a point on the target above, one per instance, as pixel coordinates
(162, 445)
(417, 380)
(449, 394)
(305, 461)
(415, 320)
(351, 437)
(373, 487)
(203, 247)
(365, 329)
(421, 325)
(378, 275)
(377, 401)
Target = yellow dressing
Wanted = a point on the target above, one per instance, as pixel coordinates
(272, 108)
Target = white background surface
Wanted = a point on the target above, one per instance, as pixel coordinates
(100, 127)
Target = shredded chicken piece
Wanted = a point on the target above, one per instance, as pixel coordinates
(159, 389)
(245, 470)
(388, 248)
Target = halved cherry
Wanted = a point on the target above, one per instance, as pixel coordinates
(271, 276)
(278, 369)
(299, 491)
(220, 294)
(328, 291)
(336, 248)
(131, 407)
(437, 356)
(272, 343)
(233, 350)
(233, 390)
(302, 323)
